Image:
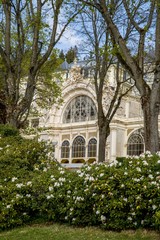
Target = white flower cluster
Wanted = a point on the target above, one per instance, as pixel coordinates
(52, 178)
(154, 207)
(57, 184)
(28, 195)
(114, 163)
(81, 174)
(62, 179)
(88, 177)
(101, 174)
(138, 169)
(130, 218)
(103, 219)
(45, 169)
(19, 196)
(153, 183)
(19, 185)
(36, 168)
(49, 196)
(145, 163)
(29, 183)
(14, 179)
(133, 213)
(136, 180)
(78, 199)
(97, 212)
(125, 199)
(148, 153)
(8, 206)
(150, 176)
(50, 188)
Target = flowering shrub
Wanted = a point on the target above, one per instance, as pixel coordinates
(7, 130)
(123, 195)
(126, 195)
(19, 159)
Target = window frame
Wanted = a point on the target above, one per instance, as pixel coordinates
(79, 147)
(135, 143)
(92, 148)
(65, 149)
(80, 109)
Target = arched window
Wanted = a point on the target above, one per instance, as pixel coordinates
(135, 144)
(65, 149)
(78, 147)
(92, 147)
(80, 109)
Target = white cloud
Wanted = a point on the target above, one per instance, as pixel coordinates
(69, 39)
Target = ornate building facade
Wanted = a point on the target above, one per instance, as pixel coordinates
(72, 126)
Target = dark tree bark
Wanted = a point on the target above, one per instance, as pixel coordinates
(104, 132)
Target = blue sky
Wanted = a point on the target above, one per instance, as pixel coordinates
(69, 39)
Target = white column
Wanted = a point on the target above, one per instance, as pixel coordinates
(113, 144)
(71, 140)
(125, 143)
(56, 153)
(86, 139)
(57, 143)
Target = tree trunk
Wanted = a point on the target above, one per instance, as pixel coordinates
(104, 132)
(150, 113)
(11, 116)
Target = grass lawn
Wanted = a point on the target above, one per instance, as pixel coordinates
(63, 232)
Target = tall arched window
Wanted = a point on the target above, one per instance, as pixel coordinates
(92, 147)
(135, 144)
(78, 147)
(80, 109)
(65, 149)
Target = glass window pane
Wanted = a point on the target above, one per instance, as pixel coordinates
(92, 148)
(78, 147)
(135, 145)
(65, 149)
(80, 109)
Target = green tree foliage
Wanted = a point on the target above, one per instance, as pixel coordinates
(7, 131)
(71, 54)
(48, 90)
(28, 36)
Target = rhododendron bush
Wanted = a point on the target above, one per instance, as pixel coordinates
(120, 195)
